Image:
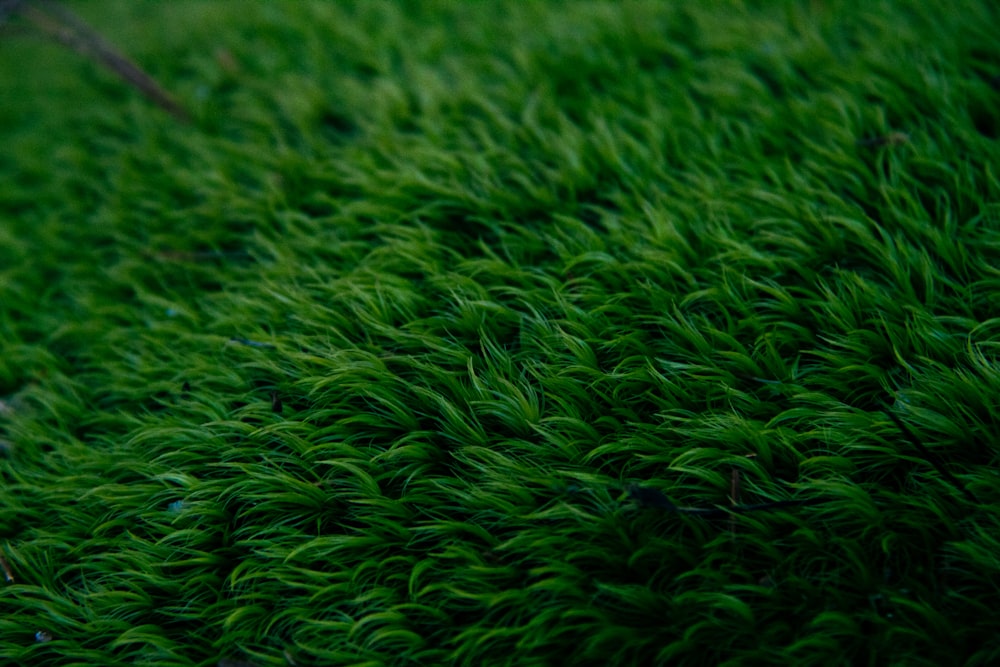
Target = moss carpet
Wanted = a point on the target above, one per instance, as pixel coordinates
(408, 348)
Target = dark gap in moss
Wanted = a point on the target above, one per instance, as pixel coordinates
(766, 74)
(985, 118)
(337, 126)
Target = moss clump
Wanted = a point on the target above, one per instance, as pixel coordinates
(356, 368)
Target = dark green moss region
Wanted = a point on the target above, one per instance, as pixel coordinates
(402, 351)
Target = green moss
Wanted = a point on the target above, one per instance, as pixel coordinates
(356, 368)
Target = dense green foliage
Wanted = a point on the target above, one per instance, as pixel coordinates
(356, 368)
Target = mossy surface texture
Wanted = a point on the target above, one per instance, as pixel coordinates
(357, 367)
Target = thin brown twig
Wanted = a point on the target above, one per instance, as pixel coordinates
(198, 255)
(654, 498)
(734, 497)
(891, 139)
(7, 574)
(71, 31)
